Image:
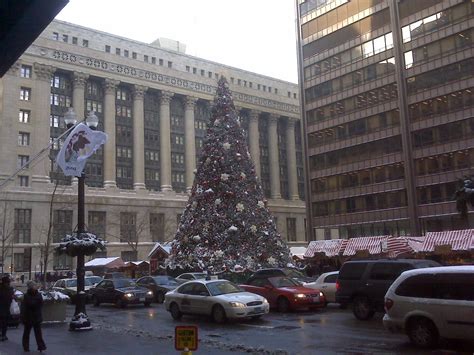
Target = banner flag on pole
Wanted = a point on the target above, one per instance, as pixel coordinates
(80, 144)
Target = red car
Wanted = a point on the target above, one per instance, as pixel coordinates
(285, 294)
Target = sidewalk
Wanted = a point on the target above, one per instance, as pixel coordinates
(60, 341)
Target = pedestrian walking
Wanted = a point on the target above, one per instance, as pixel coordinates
(22, 278)
(31, 315)
(6, 297)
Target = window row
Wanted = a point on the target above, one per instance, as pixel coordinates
(444, 133)
(355, 128)
(123, 111)
(437, 193)
(124, 172)
(60, 100)
(351, 80)
(177, 178)
(439, 48)
(92, 105)
(353, 103)
(24, 116)
(445, 162)
(356, 153)
(433, 22)
(358, 178)
(350, 56)
(65, 38)
(25, 94)
(177, 158)
(152, 155)
(124, 152)
(151, 174)
(440, 105)
(61, 81)
(381, 201)
(441, 76)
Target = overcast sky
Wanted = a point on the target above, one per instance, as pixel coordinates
(255, 35)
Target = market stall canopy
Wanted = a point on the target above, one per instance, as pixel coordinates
(21, 22)
(329, 248)
(373, 245)
(458, 240)
(159, 247)
(108, 263)
(298, 252)
(140, 263)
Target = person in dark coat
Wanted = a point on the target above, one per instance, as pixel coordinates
(6, 297)
(31, 315)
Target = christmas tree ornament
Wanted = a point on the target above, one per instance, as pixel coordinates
(225, 177)
(240, 207)
(226, 146)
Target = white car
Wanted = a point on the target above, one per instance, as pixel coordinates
(432, 303)
(69, 287)
(191, 276)
(220, 299)
(326, 283)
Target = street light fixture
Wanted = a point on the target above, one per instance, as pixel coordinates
(92, 120)
(70, 118)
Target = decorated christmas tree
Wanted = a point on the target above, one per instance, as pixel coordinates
(226, 223)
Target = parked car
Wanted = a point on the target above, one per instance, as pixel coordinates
(326, 283)
(363, 283)
(69, 288)
(159, 285)
(191, 276)
(122, 292)
(220, 299)
(114, 275)
(94, 280)
(288, 272)
(433, 303)
(285, 294)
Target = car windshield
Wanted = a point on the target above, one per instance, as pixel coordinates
(119, 283)
(165, 280)
(283, 282)
(199, 276)
(222, 288)
(294, 273)
(94, 279)
(73, 283)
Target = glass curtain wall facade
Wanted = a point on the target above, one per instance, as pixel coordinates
(387, 92)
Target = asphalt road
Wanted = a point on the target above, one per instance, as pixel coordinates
(329, 331)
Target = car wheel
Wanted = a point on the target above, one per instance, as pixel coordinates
(218, 314)
(362, 308)
(423, 333)
(160, 297)
(175, 312)
(283, 305)
(120, 303)
(147, 304)
(95, 301)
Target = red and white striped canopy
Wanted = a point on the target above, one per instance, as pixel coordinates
(374, 245)
(458, 240)
(398, 246)
(330, 247)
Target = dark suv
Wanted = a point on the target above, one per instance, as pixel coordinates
(364, 283)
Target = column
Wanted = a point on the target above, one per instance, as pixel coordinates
(138, 138)
(190, 140)
(254, 140)
(42, 110)
(273, 156)
(109, 128)
(165, 141)
(79, 84)
(291, 159)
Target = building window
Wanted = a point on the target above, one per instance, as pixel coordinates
(170, 64)
(289, 94)
(107, 49)
(65, 38)
(188, 68)
(117, 51)
(96, 222)
(25, 71)
(294, 95)
(157, 227)
(74, 40)
(203, 72)
(276, 91)
(62, 262)
(125, 53)
(145, 58)
(291, 229)
(129, 255)
(134, 55)
(209, 74)
(153, 60)
(85, 43)
(22, 228)
(19, 262)
(62, 224)
(23, 181)
(22, 160)
(160, 61)
(24, 116)
(128, 232)
(55, 36)
(194, 70)
(25, 94)
(23, 139)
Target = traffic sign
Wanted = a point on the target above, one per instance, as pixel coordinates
(186, 337)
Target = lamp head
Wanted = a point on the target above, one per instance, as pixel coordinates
(92, 120)
(70, 118)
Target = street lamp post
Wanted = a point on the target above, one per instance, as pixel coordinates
(92, 121)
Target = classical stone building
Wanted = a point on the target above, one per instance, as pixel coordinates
(153, 101)
(388, 105)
